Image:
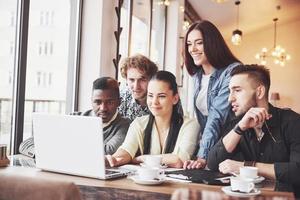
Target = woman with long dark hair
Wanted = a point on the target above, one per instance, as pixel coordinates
(209, 61)
(164, 131)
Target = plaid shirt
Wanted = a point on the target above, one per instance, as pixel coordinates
(129, 107)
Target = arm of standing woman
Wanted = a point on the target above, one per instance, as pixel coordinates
(218, 112)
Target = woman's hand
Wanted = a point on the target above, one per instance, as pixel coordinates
(200, 163)
(139, 159)
(110, 161)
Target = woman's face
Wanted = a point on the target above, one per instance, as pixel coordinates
(195, 47)
(160, 99)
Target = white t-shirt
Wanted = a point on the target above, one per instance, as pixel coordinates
(201, 102)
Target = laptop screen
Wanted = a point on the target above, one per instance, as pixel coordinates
(69, 144)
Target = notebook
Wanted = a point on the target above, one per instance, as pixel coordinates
(199, 176)
(72, 145)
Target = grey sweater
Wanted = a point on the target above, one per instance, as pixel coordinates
(113, 134)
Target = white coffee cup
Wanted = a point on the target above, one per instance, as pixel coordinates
(240, 184)
(146, 173)
(248, 172)
(153, 160)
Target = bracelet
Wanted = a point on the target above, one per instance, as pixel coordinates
(250, 163)
(238, 130)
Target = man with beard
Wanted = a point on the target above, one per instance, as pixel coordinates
(137, 70)
(105, 102)
(261, 135)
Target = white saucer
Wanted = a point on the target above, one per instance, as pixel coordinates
(258, 179)
(137, 180)
(227, 190)
(160, 167)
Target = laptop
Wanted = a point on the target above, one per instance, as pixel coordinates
(71, 145)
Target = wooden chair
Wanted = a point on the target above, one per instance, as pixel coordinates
(28, 188)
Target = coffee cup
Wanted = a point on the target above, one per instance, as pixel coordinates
(4, 161)
(241, 185)
(146, 173)
(248, 172)
(153, 160)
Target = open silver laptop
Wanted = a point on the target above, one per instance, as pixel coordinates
(72, 145)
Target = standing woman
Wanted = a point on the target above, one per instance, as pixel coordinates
(209, 61)
(164, 131)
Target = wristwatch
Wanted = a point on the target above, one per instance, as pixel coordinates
(238, 130)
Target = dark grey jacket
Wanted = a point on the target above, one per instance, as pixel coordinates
(284, 152)
(113, 134)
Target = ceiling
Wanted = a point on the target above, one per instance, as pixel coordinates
(253, 14)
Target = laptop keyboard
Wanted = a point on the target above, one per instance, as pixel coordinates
(109, 172)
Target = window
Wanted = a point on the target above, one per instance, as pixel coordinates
(43, 79)
(124, 37)
(158, 33)
(46, 17)
(8, 10)
(12, 18)
(47, 73)
(140, 32)
(11, 48)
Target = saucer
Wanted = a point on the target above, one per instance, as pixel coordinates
(160, 167)
(137, 180)
(227, 190)
(258, 179)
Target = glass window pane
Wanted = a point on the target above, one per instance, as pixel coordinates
(48, 60)
(8, 19)
(158, 33)
(124, 37)
(125, 26)
(140, 27)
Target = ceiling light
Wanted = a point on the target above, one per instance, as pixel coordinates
(236, 38)
(186, 25)
(164, 2)
(219, 1)
(278, 54)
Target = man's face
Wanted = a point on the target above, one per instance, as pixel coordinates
(137, 83)
(105, 104)
(242, 94)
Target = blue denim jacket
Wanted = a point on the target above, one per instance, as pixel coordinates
(217, 105)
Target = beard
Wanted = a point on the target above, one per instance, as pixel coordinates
(251, 102)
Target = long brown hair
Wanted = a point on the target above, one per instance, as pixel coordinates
(216, 50)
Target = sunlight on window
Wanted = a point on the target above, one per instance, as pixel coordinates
(8, 12)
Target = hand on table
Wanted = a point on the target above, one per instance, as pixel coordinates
(200, 163)
(110, 161)
(229, 166)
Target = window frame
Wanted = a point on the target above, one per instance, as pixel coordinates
(20, 67)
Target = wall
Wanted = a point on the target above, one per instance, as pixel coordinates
(98, 46)
(284, 80)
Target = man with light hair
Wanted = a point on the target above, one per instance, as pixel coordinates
(137, 70)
